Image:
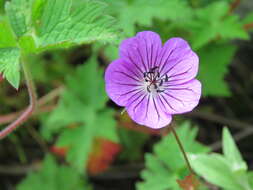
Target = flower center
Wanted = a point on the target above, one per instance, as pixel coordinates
(154, 81)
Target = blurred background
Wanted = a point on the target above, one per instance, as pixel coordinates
(78, 139)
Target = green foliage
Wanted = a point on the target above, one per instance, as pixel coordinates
(40, 25)
(128, 12)
(206, 28)
(18, 13)
(228, 171)
(84, 25)
(9, 65)
(167, 164)
(132, 143)
(53, 177)
(6, 36)
(83, 106)
(232, 153)
(214, 60)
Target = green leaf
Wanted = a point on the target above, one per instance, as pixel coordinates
(157, 176)
(63, 27)
(132, 143)
(53, 177)
(167, 162)
(1, 6)
(128, 12)
(6, 36)
(9, 65)
(46, 24)
(27, 44)
(231, 152)
(91, 92)
(250, 179)
(215, 169)
(248, 18)
(18, 12)
(205, 28)
(214, 60)
(81, 115)
(105, 119)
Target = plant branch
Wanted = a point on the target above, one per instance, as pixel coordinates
(40, 105)
(219, 119)
(182, 150)
(32, 104)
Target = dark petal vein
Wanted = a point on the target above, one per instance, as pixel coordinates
(147, 106)
(144, 96)
(142, 61)
(167, 102)
(132, 61)
(131, 91)
(127, 75)
(124, 84)
(175, 98)
(156, 110)
(164, 63)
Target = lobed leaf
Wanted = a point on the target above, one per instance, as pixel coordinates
(40, 25)
(53, 177)
(81, 115)
(167, 162)
(214, 60)
(232, 153)
(9, 65)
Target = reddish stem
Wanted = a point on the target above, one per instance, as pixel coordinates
(182, 150)
(248, 26)
(234, 5)
(28, 112)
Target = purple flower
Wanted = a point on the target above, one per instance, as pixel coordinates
(154, 81)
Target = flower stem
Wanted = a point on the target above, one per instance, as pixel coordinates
(29, 110)
(182, 150)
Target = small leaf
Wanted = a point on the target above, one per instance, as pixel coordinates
(128, 12)
(167, 164)
(215, 169)
(61, 27)
(9, 65)
(53, 177)
(18, 12)
(214, 60)
(231, 152)
(205, 28)
(6, 36)
(85, 109)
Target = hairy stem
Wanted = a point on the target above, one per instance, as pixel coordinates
(29, 110)
(182, 150)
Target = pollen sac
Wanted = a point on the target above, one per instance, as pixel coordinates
(154, 80)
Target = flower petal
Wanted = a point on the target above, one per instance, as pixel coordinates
(142, 50)
(121, 82)
(180, 98)
(178, 61)
(145, 110)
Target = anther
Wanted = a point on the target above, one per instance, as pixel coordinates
(166, 78)
(148, 88)
(161, 83)
(158, 91)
